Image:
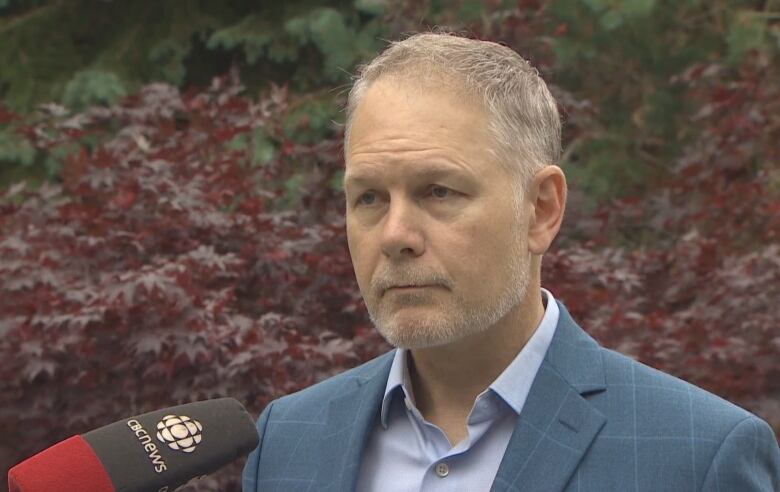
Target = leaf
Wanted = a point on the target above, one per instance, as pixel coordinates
(746, 32)
(638, 8)
(206, 256)
(35, 367)
(336, 182)
(93, 86)
(156, 281)
(611, 20)
(334, 40)
(470, 10)
(374, 7)
(597, 5)
(15, 189)
(168, 56)
(16, 244)
(253, 33)
(293, 190)
(263, 149)
(9, 324)
(332, 346)
(15, 150)
(148, 342)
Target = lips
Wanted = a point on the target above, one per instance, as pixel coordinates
(408, 287)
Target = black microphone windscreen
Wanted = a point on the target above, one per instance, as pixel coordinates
(160, 450)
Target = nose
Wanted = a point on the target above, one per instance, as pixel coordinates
(402, 231)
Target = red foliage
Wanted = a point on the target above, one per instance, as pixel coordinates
(698, 300)
(158, 272)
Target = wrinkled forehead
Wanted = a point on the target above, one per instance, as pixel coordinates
(411, 137)
(392, 109)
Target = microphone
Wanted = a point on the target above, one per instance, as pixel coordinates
(153, 452)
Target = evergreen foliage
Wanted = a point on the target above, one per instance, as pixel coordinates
(82, 52)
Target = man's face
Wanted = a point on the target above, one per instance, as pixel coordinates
(454, 230)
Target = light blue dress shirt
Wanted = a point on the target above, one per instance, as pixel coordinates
(405, 453)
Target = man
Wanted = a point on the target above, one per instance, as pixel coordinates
(452, 198)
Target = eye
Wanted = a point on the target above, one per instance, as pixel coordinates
(439, 192)
(438, 195)
(360, 198)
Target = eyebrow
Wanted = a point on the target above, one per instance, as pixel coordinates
(428, 172)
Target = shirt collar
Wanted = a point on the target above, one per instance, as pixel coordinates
(512, 385)
(398, 377)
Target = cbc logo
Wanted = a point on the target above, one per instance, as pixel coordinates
(179, 432)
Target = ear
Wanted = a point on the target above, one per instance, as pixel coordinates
(547, 201)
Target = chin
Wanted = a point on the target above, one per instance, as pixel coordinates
(415, 343)
(413, 337)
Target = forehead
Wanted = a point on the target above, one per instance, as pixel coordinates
(425, 169)
(391, 108)
(426, 132)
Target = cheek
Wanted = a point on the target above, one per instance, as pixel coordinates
(480, 249)
(355, 241)
(468, 250)
(360, 254)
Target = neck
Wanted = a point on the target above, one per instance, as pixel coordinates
(447, 379)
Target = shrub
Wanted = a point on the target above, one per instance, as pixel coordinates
(163, 268)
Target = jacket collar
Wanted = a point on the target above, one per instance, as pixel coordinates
(557, 424)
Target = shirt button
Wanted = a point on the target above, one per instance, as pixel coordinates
(442, 470)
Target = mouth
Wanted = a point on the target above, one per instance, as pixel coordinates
(409, 287)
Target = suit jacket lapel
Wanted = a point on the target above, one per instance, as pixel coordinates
(351, 417)
(557, 424)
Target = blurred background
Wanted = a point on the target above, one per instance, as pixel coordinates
(171, 217)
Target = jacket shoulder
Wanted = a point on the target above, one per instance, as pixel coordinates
(666, 404)
(661, 427)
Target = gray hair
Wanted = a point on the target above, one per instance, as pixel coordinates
(523, 116)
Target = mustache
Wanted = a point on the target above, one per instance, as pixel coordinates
(387, 282)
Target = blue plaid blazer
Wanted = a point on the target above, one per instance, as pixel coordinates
(594, 420)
